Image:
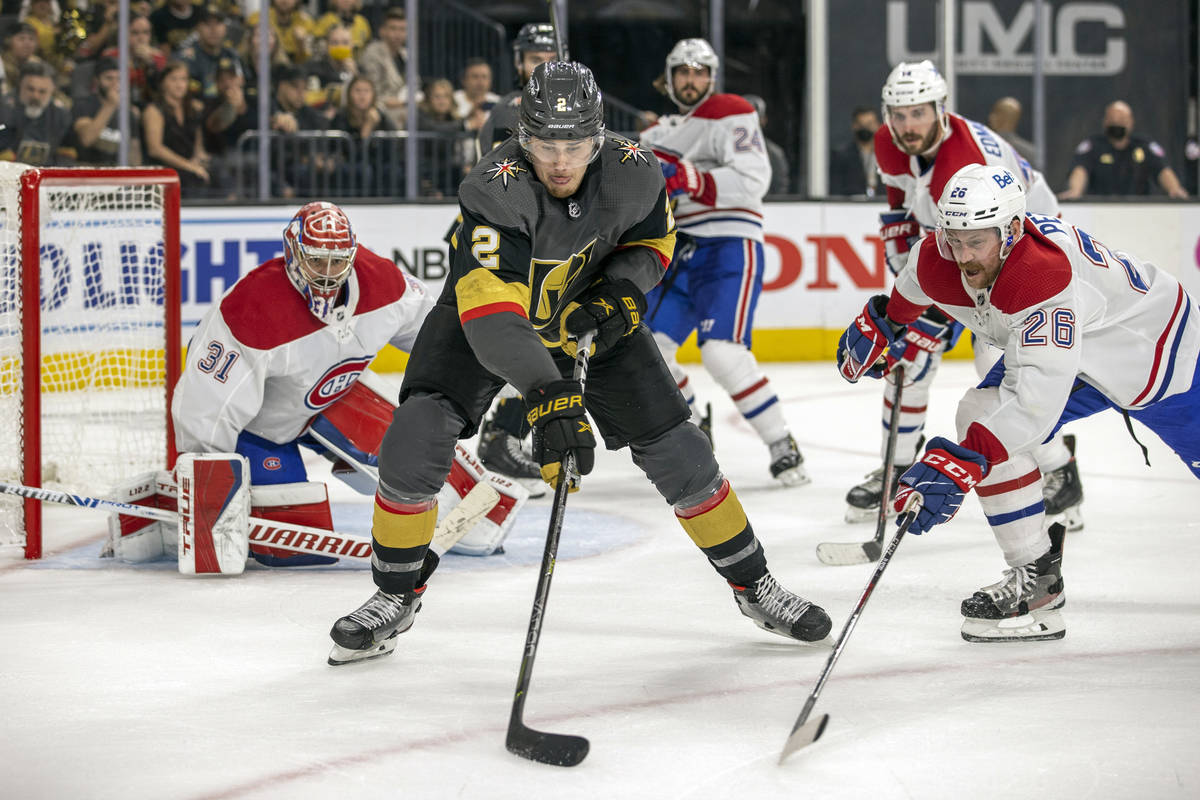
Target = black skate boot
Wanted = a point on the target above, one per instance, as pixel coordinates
(1024, 606)
(372, 629)
(777, 610)
(862, 502)
(501, 452)
(787, 465)
(1062, 491)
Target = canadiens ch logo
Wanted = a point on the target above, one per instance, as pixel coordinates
(336, 381)
(549, 280)
(631, 150)
(272, 463)
(504, 170)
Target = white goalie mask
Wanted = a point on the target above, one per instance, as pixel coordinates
(318, 254)
(693, 53)
(981, 197)
(912, 84)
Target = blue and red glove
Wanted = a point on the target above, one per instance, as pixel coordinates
(942, 478)
(915, 347)
(862, 347)
(899, 230)
(683, 177)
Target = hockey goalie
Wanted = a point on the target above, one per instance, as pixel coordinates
(279, 363)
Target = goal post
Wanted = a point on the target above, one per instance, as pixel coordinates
(89, 331)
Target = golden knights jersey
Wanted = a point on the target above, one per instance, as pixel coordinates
(521, 250)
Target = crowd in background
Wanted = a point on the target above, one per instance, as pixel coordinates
(339, 100)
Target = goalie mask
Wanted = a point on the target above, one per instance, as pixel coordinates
(981, 197)
(693, 53)
(562, 114)
(318, 254)
(913, 84)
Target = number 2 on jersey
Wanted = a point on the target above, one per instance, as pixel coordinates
(485, 242)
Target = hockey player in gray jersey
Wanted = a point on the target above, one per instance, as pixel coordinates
(564, 230)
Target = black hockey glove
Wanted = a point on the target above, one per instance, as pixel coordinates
(555, 412)
(614, 309)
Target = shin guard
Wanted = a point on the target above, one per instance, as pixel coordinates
(719, 527)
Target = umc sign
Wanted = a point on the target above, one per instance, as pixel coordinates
(1010, 50)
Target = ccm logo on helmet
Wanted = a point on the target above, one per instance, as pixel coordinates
(335, 383)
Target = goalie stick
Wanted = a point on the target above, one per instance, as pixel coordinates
(284, 536)
(840, 554)
(559, 749)
(805, 732)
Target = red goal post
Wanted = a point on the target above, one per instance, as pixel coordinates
(89, 331)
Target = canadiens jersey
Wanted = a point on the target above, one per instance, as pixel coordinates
(260, 361)
(721, 136)
(523, 251)
(1063, 306)
(917, 186)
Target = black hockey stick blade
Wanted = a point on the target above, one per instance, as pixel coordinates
(556, 749)
(804, 735)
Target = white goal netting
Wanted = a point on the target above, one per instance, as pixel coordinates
(101, 340)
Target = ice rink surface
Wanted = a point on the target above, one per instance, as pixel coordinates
(138, 682)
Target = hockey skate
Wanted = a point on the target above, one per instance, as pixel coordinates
(787, 465)
(1024, 606)
(501, 452)
(862, 501)
(777, 610)
(1062, 492)
(371, 630)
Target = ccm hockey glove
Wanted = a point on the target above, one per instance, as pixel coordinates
(560, 426)
(899, 231)
(942, 478)
(866, 341)
(614, 309)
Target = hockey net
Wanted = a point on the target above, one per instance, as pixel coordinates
(86, 372)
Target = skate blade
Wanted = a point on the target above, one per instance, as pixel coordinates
(1037, 626)
(343, 655)
(796, 476)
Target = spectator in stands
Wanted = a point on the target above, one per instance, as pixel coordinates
(781, 173)
(344, 13)
(233, 112)
(144, 59)
(293, 28)
(101, 23)
(336, 68)
(361, 115)
(207, 51)
(289, 112)
(248, 52)
(360, 118)
(1117, 163)
(37, 130)
(384, 61)
(96, 122)
(43, 16)
(302, 171)
(476, 94)
(171, 131)
(445, 160)
(172, 22)
(20, 47)
(852, 166)
(1003, 119)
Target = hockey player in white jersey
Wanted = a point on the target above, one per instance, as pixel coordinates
(917, 151)
(1082, 328)
(717, 172)
(280, 363)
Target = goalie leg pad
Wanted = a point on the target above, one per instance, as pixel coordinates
(293, 504)
(214, 510)
(488, 535)
(135, 540)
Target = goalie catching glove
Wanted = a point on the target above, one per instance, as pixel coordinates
(560, 426)
(942, 478)
(613, 309)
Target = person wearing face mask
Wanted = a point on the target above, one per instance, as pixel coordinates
(852, 167)
(1117, 163)
(36, 130)
(333, 71)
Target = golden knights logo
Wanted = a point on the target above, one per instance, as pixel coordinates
(549, 281)
(504, 170)
(631, 150)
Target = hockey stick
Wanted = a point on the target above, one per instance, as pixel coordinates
(560, 39)
(805, 732)
(839, 554)
(283, 536)
(559, 749)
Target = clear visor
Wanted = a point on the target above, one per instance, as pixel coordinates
(562, 153)
(326, 270)
(964, 246)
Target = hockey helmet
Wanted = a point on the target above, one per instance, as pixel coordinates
(534, 37)
(914, 83)
(318, 254)
(561, 101)
(691, 53)
(981, 197)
